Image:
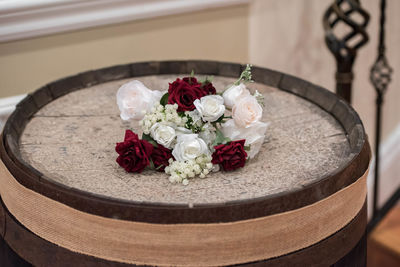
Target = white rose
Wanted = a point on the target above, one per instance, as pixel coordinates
(210, 107)
(189, 147)
(246, 111)
(134, 100)
(254, 135)
(163, 134)
(234, 93)
(182, 130)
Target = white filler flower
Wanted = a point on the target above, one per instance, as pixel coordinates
(254, 135)
(210, 107)
(234, 93)
(246, 111)
(163, 134)
(182, 171)
(189, 147)
(134, 100)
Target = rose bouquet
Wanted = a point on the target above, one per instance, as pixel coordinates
(191, 130)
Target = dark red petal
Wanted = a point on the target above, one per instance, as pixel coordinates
(129, 135)
(148, 148)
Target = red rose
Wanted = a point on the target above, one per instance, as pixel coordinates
(134, 154)
(160, 157)
(209, 88)
(231, 156)
(184, 92)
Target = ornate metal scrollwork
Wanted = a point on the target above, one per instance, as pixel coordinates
(380, 77)
(381, 72)
(345, 48)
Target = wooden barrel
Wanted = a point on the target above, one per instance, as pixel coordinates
(65, 201)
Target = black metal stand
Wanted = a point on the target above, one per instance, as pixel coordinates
(380, 77)
(344, 49)
(340, 12)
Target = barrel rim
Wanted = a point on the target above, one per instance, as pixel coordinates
(155, 212)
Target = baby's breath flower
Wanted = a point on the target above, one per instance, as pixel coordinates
(182, 171)
(260, 98)
(161, 114)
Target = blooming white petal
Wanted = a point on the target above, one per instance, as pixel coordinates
(210, 107)
(163, 134)
(208, 134)
(246, 111)
(234, 93)
(182, 130)
(134, 100)
(254, 135)
(189, 147)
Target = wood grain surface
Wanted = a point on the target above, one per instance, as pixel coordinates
(316, 145)
(72, 140)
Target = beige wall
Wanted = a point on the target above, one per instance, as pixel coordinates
(287, 35)
(219, 34)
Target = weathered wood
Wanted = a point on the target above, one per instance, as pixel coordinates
(266, 76)
(229, 69)
(309, 143)
(77, 148)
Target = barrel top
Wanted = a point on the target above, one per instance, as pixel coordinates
(71, 140)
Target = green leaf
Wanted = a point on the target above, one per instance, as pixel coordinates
(247, 148)
(220, 138)
(245, 76)
(206, 80)
(192, 74)
(151, 165)
(159, 167)
(220, 119)
(149, 139)
(227, 140)
(164, 99)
